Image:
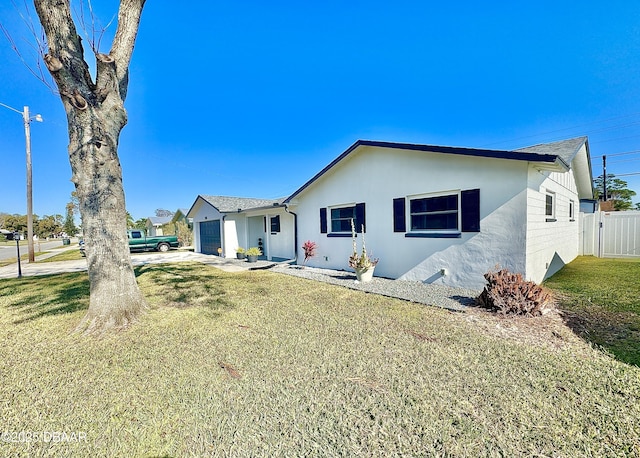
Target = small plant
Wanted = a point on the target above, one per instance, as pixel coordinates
(360, 261)
(309, 248)
(253, 251)
(240, 250)
(509, 294)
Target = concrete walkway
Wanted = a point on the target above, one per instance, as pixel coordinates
(138, 259)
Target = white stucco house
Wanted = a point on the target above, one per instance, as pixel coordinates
(436, 214)
(226, 223)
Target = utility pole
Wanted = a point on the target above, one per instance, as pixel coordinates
(604, 177)
(27, 134)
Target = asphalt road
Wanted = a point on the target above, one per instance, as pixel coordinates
(9, 251)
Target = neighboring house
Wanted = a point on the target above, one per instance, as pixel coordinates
(227, 223)
(155, 223)
(431, 213)
(182, 226)
(170, 225)
(181, 215)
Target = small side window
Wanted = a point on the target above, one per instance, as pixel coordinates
(572, 209)
(550, 206)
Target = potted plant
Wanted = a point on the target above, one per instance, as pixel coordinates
(253, 253)
(241, 253)
(362, 263)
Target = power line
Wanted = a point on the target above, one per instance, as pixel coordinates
(618, 154)
(615, 139)
(604, 129)
(625, 160)
(571, 128)
(621, 174)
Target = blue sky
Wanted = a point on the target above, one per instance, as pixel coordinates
(253, 98)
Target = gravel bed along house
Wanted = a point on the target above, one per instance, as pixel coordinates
(415, 291)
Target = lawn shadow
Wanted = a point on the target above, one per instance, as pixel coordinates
(174, 285)
(183, 285)
(64, 293)
(616, 332)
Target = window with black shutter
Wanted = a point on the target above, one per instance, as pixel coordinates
(336, 221)
(438, 215)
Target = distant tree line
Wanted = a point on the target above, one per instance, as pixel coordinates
(43, 227)
(617, 192)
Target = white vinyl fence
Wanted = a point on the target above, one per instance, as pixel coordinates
(610, 234)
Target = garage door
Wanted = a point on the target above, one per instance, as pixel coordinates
(210, 237)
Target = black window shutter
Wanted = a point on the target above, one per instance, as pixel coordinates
(399, 220)
(275, 223)
(471, 210)
(323, 220)
(359, 219)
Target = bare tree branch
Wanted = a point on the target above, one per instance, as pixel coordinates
(96, 31)
(38, 46)
(124, 40)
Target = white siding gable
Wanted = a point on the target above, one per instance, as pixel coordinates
(551, 241)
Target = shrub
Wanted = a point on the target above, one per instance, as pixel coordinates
(509, 294)
(309, 248)
(253, 251)
(184, 233)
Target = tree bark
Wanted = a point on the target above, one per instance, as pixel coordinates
(96, 116)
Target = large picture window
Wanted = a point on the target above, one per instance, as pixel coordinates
(435, 213)
(341, 219)
(442, 215)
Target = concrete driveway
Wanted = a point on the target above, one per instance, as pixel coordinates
(49, 268)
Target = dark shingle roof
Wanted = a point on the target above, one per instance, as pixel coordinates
(564, 149)
(226, 204)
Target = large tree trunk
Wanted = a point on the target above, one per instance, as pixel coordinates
(96, 116)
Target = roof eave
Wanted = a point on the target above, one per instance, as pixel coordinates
(188, 215)
(550, 159)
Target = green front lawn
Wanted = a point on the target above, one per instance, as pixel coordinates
(262, 364)
(67, 255)
(601, 300)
